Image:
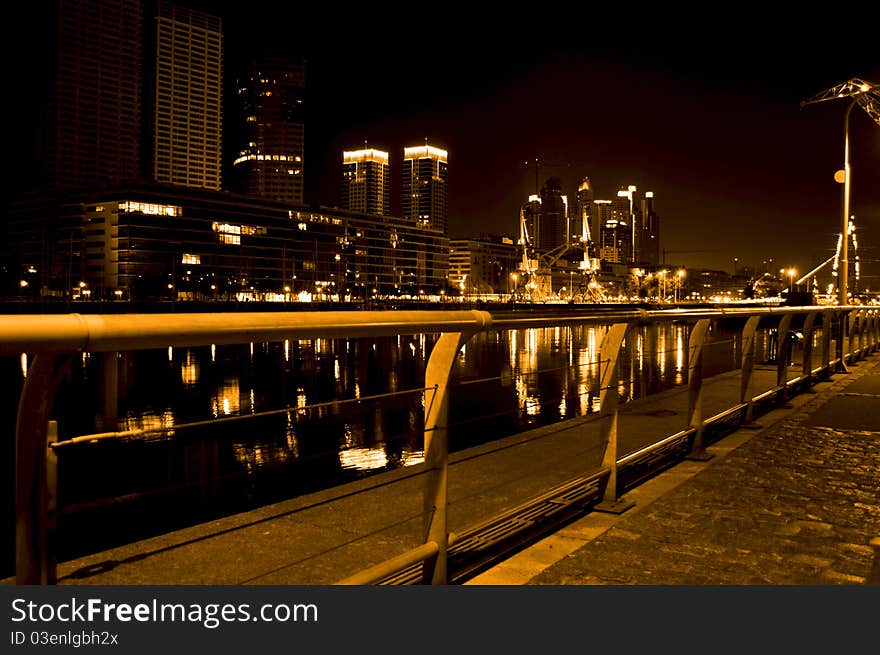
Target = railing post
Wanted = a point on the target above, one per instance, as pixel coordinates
(32, 557)
(609, 359)
(437, 374)
(874, 326)
(827, 319)
(863, 327)
(51, 502)
(783, 350)
(696, 341)
(109, 364)
(809, 328)
(748, 364)
(853, 325)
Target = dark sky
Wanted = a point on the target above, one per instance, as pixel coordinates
(707, 116)
(702, 108)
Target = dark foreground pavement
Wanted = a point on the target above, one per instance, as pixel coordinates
(794, 503)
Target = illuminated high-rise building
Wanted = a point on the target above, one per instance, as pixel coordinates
(584, 212)
(93, 132)
(366, 182)
(624, 211)
(270, 158)
(187, 116)
(424, 186)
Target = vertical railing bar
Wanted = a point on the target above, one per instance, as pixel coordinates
(437, 375)
(809, 328)
(827, 318)
(696, 341)
(608, 409)
(748, 364)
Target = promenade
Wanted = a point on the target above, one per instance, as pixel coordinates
(794, 499)
(794, 503)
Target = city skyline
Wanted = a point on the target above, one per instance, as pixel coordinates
(717, 132)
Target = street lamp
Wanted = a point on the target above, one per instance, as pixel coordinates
(867, 95)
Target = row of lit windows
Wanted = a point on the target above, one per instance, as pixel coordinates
(251, 157)
(131, 207)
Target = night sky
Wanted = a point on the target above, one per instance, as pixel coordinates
(701, 109)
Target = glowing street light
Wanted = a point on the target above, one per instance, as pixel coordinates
(867, 95)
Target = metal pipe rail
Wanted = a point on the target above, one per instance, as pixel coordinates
(56, 340)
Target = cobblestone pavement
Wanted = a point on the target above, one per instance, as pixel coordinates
(797, 504)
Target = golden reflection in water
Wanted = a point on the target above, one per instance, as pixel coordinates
(679, 357)
(337, 373)
(371, 458)
(213, 352)
(170, 354)
(528, 403)
(150, 421)
(584, 398)
(661, 351)
(227, 400)
(287, 350)
(290, 433)
(189, 370)
(24, 365)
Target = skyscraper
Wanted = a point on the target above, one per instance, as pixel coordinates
(552, 226)
(270, 158)
(94, 130)
(650, 232)
(187, 116)
(624, 211)
(584, 212)
(366, 183)
(424, 186)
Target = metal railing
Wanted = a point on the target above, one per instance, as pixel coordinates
(55, 341)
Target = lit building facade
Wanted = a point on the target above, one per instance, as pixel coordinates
(623, 210)
(95, 120)
(366, 181)
(483, 265)
(270, 159)
(187, 105)
(162, 242)
(584, 213)
(425, 200)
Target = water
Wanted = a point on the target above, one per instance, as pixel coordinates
(298, 439)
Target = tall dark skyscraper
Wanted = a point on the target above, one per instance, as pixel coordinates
(650, 232)
(187, 102)
(424, 186)
(366, 181)
(271, 156)
(553, 226)
(95, 122)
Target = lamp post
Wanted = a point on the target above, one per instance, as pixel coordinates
(865, 94)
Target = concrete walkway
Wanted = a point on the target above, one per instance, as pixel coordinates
(796, 503)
